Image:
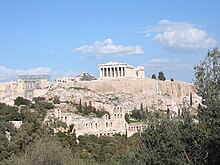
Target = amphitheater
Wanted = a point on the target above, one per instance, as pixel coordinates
(107, 125)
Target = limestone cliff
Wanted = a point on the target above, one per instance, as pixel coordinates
(129, 93)
(171, 88)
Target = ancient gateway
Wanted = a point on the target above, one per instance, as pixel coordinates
(113, 70)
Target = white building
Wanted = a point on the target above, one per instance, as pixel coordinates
(113, 70)
(61, 80)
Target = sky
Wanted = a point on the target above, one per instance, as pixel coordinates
(65, 38)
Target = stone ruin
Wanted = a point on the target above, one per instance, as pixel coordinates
(107, 125)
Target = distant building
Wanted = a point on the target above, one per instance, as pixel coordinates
(33, 84)
(66, 79)
(113, 70)
(28, 86)
(81, 77)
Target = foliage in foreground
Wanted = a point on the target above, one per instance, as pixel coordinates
(208, 85)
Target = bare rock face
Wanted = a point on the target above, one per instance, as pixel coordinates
(171, 88)
(129, 93)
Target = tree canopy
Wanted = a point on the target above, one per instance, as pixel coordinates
(207, 81)
(161, 76)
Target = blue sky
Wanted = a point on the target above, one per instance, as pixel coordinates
(69, 36)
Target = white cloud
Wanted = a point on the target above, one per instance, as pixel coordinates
(107, 47)
(180, 36)
(7, 74)
(158, 61)
(165, 63)
(40, 70)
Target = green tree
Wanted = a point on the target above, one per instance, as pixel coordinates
(56, 100)
(79, 106)
(127, 118)
(136, 114)
(207, 74)
(190, 99)
(141, 107)
(46, 152)
(38, 99)
(161, 76)
(153, 76)
(7, 113)
(193, 137)
(32, 127)
(21, 101)
(161, 143)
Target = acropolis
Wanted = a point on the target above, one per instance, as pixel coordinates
(112, 70)
(125, 90)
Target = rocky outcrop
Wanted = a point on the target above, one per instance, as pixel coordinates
(171, 88)
(129, 93)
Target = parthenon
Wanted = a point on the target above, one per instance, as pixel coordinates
(113, 70)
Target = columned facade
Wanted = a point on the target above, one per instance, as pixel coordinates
(113, 70)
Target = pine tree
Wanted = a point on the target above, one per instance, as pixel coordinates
(80, 106)
(153, 76)
(161, 76)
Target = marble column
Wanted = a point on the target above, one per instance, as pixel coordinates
(110, 71)
(112, 68)
(118, 71)
(100, 72)
(105, 72)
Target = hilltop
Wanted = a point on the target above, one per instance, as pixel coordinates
(128, 93)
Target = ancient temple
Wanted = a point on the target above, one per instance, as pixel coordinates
(113, 70)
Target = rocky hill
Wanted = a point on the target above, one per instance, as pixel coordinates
(129, 93)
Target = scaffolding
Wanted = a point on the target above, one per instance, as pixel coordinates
(34, 77)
